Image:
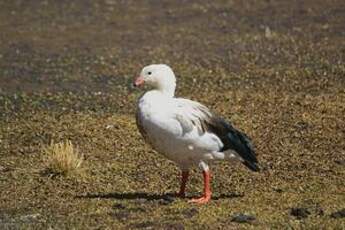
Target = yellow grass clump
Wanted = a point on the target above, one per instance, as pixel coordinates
(63, 158)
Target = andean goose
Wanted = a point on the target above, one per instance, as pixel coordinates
(185, 131)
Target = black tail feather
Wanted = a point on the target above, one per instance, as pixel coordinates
(235, 140)
(252, 166)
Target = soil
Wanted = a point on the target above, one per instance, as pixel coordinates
(275, 69)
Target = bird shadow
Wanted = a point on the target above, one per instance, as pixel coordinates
(227, 196)
(126, 196)
(147, 196)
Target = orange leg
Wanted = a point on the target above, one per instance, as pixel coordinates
(207, 189)
(185, 175)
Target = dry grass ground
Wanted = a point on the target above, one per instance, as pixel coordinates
(276, 69)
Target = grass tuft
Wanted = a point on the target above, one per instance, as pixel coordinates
(62, 158)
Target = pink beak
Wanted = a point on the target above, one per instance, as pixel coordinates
(138, 81)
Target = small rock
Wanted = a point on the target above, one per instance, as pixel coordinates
(119, 206)
(340, 162)
(166, 200)
(109, 127)
(30, 217)
(278, 190)
(338, 214)
(242, 218)
(4, 169)
(189, 213)
(300, 213)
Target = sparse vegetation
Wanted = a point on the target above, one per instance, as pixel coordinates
(62, 158)
(276, 69)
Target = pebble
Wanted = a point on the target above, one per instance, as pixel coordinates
(338, 214)
(242, 218)
(300, 213)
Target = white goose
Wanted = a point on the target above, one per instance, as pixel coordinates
(185, 131)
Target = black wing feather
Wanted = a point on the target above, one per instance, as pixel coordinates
(235, 140)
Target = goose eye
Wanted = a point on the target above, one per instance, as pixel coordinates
(149, 73)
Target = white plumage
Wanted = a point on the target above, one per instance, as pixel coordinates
(185, 131)
(173, 127)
